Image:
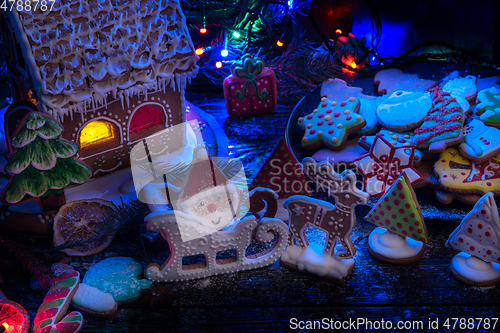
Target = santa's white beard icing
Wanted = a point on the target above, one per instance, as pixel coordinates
(216, 207)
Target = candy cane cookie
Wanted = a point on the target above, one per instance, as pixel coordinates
(56, 303)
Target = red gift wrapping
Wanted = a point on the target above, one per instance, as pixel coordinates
(250, 105)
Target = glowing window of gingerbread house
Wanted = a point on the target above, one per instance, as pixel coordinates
(145, 117)
(97, 131)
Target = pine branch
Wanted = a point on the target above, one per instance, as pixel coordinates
(28, 260)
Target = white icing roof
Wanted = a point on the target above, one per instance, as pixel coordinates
(83, 50)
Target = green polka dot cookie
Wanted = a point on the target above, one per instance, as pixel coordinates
(331, 123)
(399, 212)
(401, 234)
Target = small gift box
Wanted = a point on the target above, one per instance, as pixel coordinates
(250, 89)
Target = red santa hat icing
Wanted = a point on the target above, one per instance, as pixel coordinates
(479, 232)
(282, 173)
(204, 179)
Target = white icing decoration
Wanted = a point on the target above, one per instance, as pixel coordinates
(393, 246)
(462, 86)
(168, 61)
(367, 111)
(404, 109)
(483, 100)
(464, 104)
(313, 260)
(93, 299)
(474, 269)
(282, 212)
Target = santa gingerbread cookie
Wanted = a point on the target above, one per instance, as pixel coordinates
(336, 220)
(478, 238)
(282, 174)
(401, 234)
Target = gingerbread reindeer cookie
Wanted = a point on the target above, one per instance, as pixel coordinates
(336, 220)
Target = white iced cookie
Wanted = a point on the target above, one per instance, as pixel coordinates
(312, 260)
(463, 86)
(474, 271)
(393, 246)
(94, 302)
(404, 110)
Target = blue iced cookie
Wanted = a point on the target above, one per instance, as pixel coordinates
(117, 276)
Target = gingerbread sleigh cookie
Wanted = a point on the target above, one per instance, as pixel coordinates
(336, 220)
(478, 238)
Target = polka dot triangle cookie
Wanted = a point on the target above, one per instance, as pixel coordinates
(478, 238)
(399, 212)
(331, 123)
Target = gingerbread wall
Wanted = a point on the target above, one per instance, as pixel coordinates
(144, 115)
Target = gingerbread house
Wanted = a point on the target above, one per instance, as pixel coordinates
(112, 72)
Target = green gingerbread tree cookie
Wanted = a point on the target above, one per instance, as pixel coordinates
(399, 212)
(42, 165)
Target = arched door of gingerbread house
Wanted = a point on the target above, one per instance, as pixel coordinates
(13, 117)
(146, 119)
